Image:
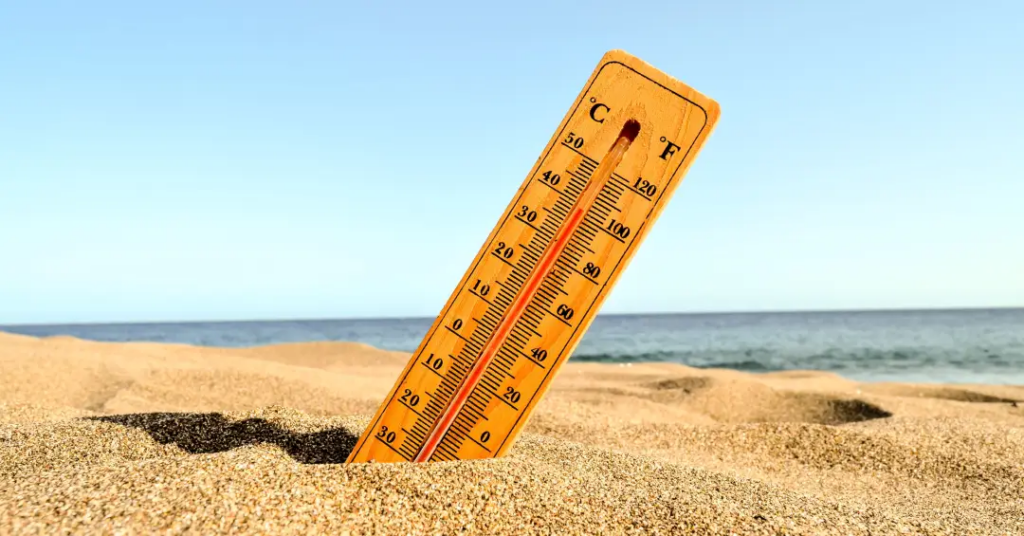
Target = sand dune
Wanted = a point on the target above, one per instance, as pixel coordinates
(142, 438)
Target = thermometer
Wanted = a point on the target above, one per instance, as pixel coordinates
(537, 283)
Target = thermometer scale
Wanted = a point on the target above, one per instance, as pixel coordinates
(541, 276)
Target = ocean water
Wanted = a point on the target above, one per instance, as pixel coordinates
(958, 346)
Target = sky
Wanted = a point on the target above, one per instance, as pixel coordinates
(230, 160)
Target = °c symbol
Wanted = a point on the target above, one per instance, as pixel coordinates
(596, 109)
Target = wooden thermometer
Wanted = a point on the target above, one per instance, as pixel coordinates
(541, 276)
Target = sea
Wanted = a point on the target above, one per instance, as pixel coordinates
(948, 346)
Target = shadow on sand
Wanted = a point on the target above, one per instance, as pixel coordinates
(206, 433)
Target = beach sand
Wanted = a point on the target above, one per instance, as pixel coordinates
(157, 438)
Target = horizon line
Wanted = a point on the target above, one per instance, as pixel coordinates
(676, 313)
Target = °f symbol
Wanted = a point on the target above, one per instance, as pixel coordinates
(670, 148)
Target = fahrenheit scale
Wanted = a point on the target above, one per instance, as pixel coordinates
(543, 272)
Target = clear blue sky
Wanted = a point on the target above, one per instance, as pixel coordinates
(201, 160)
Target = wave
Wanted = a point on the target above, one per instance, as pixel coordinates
(686, 358)
(835, 359)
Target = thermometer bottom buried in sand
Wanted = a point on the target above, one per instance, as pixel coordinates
(544, 270)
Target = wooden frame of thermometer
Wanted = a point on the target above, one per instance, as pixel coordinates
(543, 272)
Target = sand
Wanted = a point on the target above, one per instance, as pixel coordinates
(105, 438)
